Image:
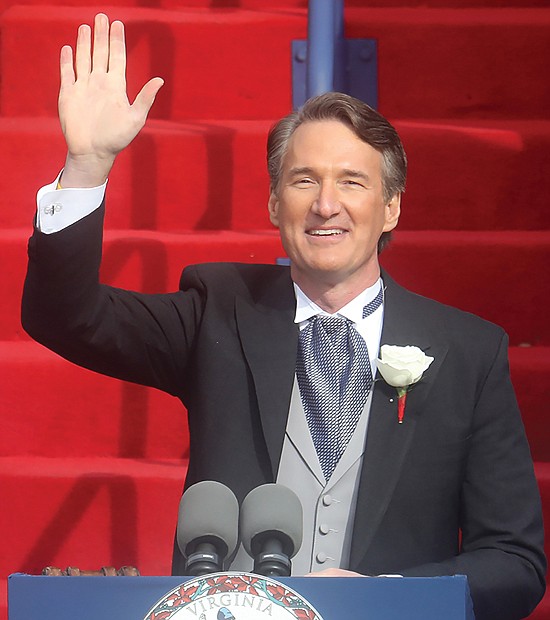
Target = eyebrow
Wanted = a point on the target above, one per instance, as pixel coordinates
(346, 172)
(302, 170)
(356, 174)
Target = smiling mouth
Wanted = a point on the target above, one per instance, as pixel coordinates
(326, 232)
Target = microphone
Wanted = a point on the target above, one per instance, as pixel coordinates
(207, 531)
(271, 527)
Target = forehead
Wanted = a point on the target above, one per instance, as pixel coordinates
(330, 143)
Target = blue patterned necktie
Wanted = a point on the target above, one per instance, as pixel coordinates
(335, 377)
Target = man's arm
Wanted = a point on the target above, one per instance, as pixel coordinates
(64, 305)
(501, 518)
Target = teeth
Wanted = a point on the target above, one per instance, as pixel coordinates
(321, 233)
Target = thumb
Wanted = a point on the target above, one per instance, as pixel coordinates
(146, 97)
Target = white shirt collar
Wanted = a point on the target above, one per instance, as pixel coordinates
(306, 308)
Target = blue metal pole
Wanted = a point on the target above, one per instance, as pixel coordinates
(340, 82)
(326, 61)
(325, 47)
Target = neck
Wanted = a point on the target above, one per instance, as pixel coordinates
(331, 297)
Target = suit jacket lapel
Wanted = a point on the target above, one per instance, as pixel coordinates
(269, 338)
(388, 441)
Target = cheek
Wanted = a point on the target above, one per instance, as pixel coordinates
(287, 218)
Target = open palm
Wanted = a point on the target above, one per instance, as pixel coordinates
(96, 117)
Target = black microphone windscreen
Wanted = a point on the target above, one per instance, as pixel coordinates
(271, 509)
(208, 511)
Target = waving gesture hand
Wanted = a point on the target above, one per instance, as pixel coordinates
(96, 117)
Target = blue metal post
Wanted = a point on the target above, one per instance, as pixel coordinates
(326, 61)
(325, 47)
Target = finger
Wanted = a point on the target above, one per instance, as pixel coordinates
(83, 61)
(117, 49)
(146, 97)
(66, 67)
(100, 57)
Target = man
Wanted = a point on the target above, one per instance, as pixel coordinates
(450, 490)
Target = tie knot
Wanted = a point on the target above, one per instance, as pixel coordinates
(332, 326)
(331, 323)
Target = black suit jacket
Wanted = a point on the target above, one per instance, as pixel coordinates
(449, 491)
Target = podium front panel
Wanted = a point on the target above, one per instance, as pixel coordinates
(131, 598)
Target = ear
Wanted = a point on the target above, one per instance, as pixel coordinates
(392, 211)
(273, 208)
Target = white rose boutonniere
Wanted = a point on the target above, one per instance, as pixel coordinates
(402, 367)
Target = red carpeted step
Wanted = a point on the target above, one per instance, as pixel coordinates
(500, 276)
(88, 513)
(192, 49)
(285, 4)
(464, 174)
(175, 176)
(471, 270)
(460, 62)
(55, 409)
(212, 174)
(13, 259)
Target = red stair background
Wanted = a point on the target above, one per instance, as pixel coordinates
(91, 469)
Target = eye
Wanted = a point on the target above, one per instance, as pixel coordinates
(303, 182)
(352, 183)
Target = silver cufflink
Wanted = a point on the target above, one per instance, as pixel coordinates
(51, 209)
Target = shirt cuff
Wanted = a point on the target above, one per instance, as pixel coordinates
(59, 208)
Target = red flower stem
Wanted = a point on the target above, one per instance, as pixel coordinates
(401, 407)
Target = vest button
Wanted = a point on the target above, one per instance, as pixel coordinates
(327, 500)
(321, 557)
(324, 528)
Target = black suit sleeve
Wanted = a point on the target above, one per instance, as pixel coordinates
(137, 337)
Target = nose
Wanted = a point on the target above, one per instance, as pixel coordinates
(327, 203)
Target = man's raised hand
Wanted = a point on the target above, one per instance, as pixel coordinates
(96, 116)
